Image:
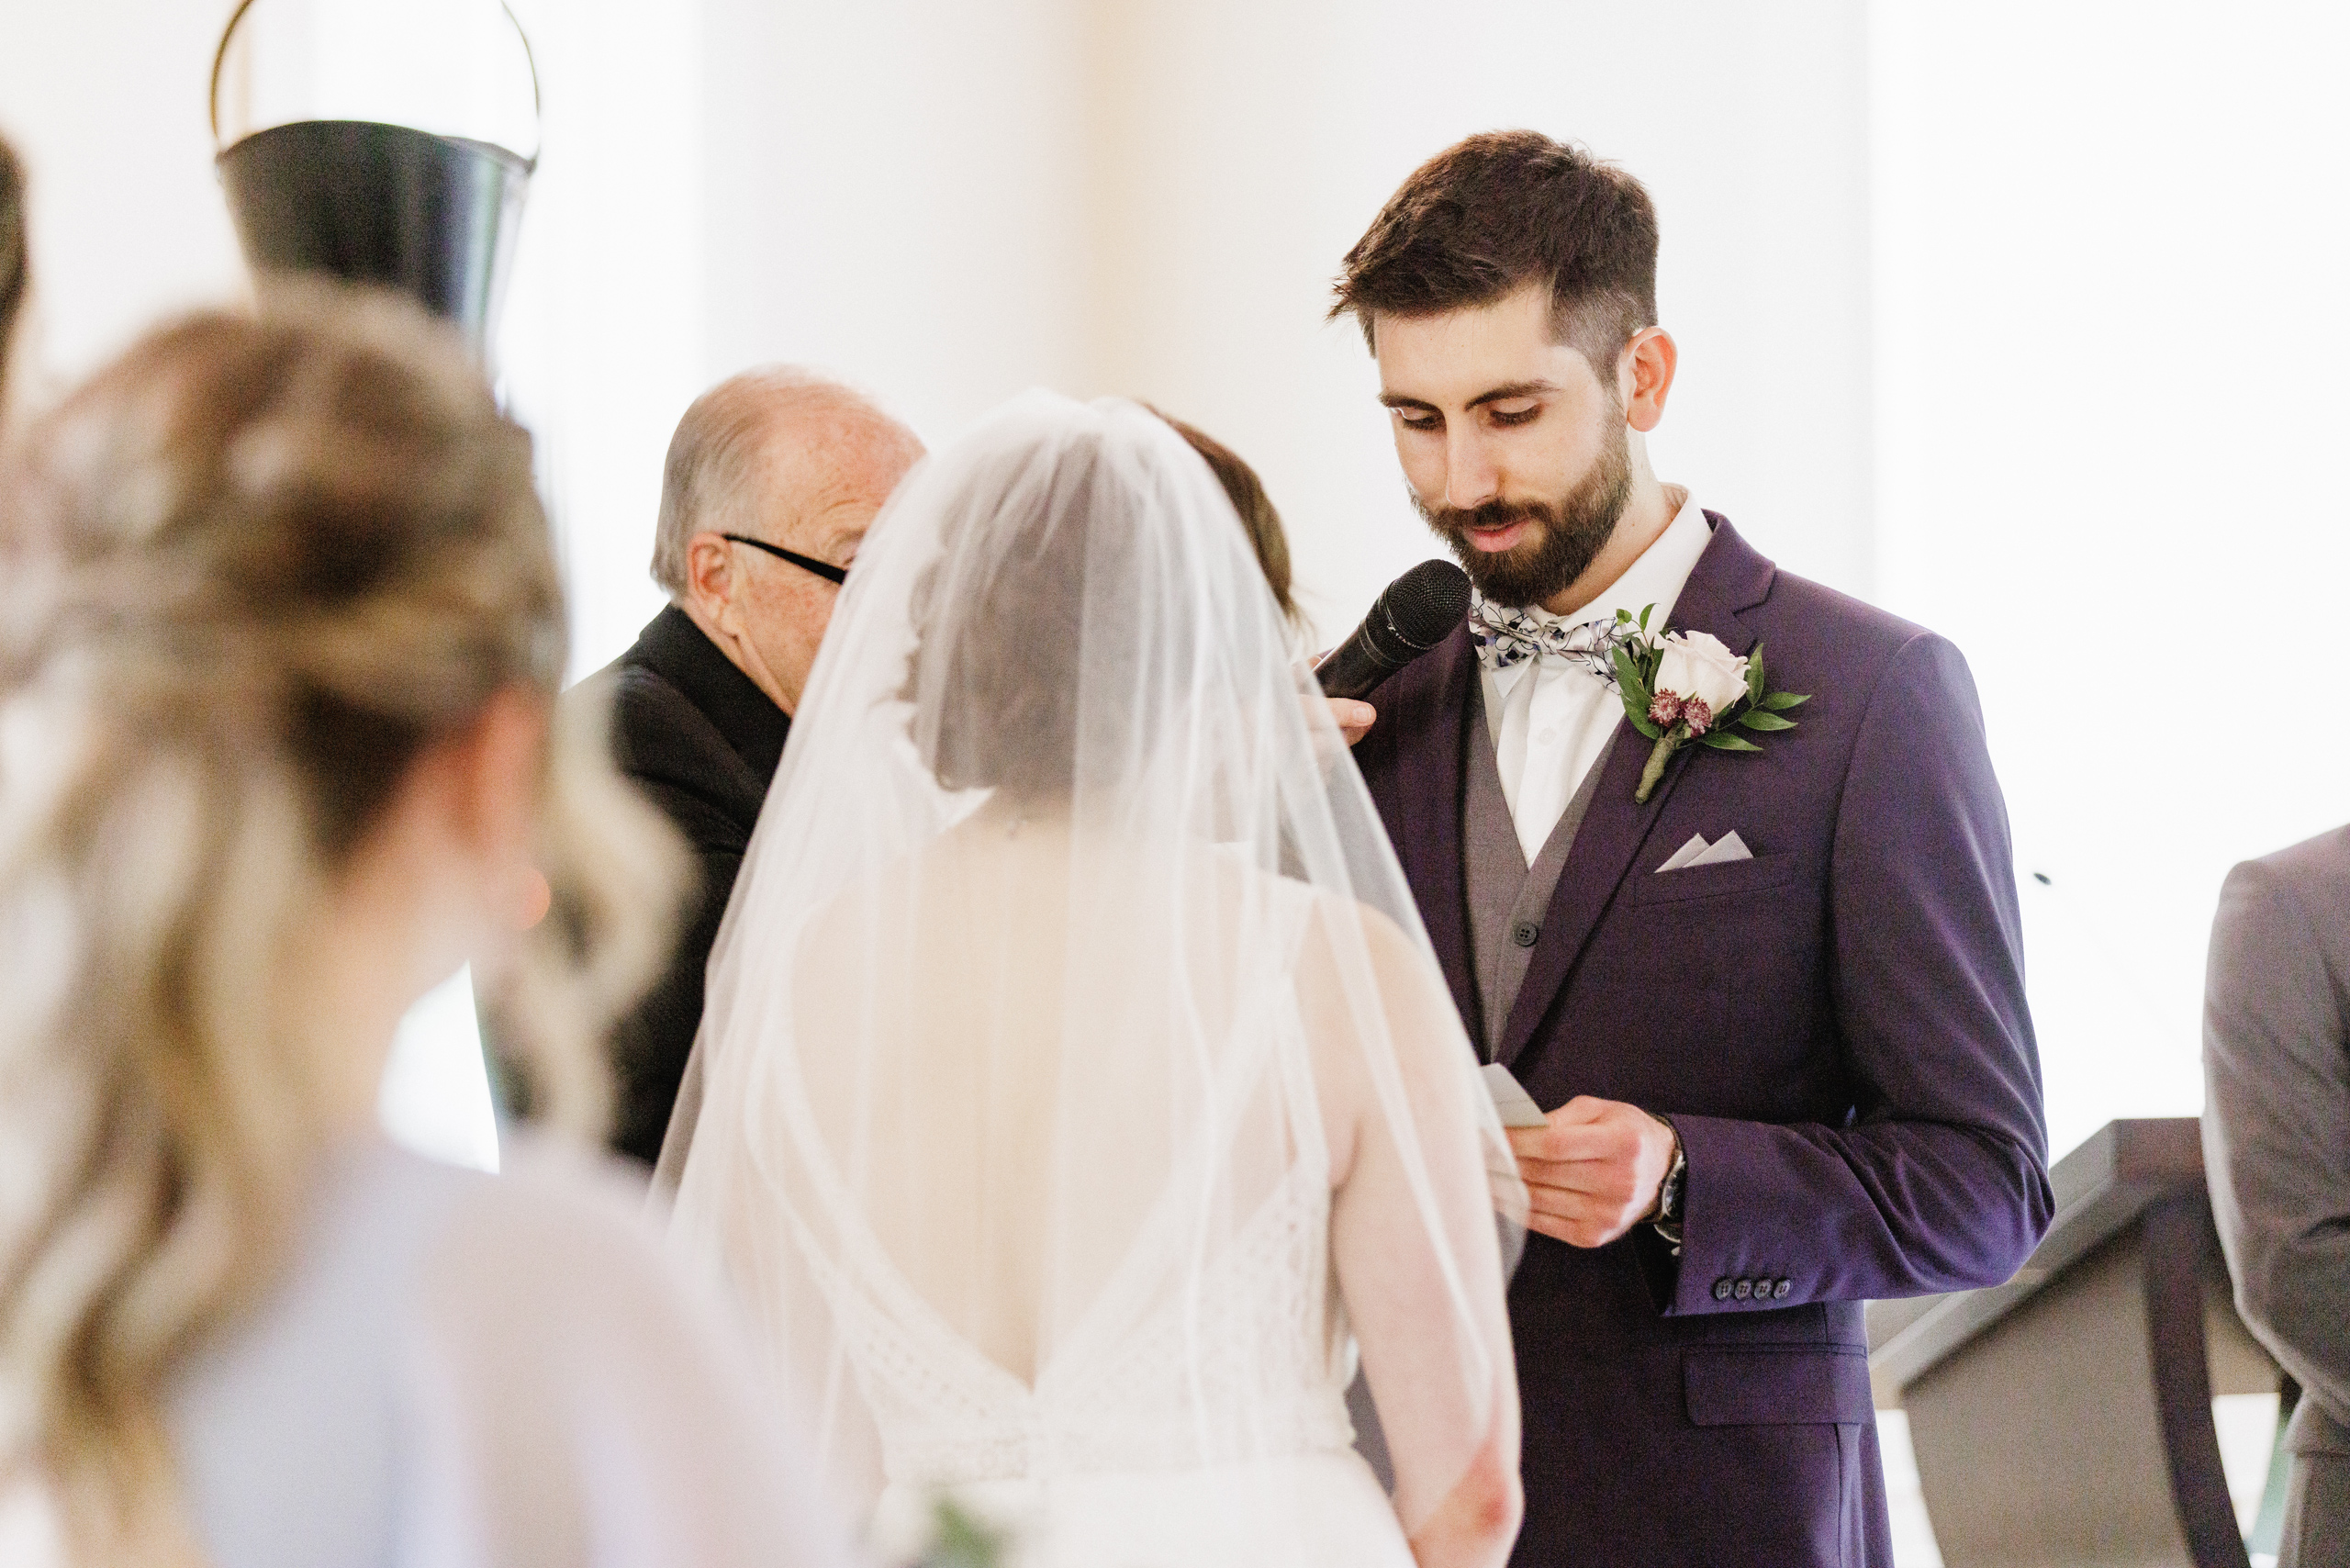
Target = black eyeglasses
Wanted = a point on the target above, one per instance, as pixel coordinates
(824, 569)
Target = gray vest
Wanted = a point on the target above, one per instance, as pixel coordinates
(1507, 898)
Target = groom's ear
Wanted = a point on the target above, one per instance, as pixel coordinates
(1644, 376)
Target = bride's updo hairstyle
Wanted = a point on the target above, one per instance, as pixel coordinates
(1038, 666)
(248, 574)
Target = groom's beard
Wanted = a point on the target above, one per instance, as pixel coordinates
(1568, 534)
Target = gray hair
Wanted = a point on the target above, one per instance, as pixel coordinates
(706, 483)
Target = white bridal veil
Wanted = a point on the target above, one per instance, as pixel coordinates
(1076, 1084)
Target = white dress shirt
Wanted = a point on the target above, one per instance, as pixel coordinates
(1549, 719)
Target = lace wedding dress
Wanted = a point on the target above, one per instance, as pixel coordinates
(1075, 1090)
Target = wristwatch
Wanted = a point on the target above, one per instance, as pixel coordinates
(1666, 1215)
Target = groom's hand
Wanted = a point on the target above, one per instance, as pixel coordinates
(1594, 1171)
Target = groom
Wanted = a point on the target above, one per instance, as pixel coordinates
(1774, 1015)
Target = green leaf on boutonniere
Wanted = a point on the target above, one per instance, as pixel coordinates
(1758, 719)
(1644, 616)
(1623, 618)
(1721, 742)
(1636, 702)
(1627, 672)
(1780, 699)
(1754, 675)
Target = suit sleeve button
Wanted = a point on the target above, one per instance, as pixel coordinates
(1743, 1289)
(1721, 1288)
(1781, 1288)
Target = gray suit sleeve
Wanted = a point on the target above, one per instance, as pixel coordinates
(2277, 1126)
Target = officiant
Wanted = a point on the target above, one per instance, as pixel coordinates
(772, 479)
(1748, 934)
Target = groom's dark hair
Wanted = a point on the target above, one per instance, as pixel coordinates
(1487, 216)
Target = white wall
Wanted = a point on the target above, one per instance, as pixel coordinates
(104, 100)
(601, 346)
(2111, 325)
(896, 195)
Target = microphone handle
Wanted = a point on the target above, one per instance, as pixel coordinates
(1355, 669)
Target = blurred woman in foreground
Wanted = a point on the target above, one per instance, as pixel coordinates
(280, 632)
(14, 265)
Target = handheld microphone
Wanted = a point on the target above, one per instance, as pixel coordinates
(1414, 612)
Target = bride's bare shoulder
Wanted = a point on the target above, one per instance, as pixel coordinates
(1337, 922)
(1344, 946)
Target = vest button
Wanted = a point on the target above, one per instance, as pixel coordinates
(1524, 933)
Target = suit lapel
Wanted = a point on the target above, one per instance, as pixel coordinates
(1433, 779)
(1729, 576)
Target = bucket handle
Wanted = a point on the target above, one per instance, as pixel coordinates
(530, 58)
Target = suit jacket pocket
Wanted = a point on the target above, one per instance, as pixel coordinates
(1771, 870)
(1759, 1385)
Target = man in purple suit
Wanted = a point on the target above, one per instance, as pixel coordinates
(1774, 1015)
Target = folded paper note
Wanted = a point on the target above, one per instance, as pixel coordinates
(1510, 1098)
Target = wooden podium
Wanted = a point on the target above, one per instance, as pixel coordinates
(2064, 1418)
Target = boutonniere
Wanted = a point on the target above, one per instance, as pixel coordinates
(1685, 686)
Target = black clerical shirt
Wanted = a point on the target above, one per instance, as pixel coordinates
(703, 741)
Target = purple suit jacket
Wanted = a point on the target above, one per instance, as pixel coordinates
(1836, 1027)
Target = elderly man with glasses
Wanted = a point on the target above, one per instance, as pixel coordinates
(772, 479)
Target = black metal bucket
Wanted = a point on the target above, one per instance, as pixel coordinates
(432, 216)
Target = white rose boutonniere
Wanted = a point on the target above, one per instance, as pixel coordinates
(1695, 666)
(1687, 686)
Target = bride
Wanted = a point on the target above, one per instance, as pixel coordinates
(1076, 1090)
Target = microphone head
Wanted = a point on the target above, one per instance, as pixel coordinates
(1420, 609)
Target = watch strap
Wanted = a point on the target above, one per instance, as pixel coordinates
(1667, 1209)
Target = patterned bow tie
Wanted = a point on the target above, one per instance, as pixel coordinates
(1504, 636)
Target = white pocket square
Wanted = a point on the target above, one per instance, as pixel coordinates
(1697, 852)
